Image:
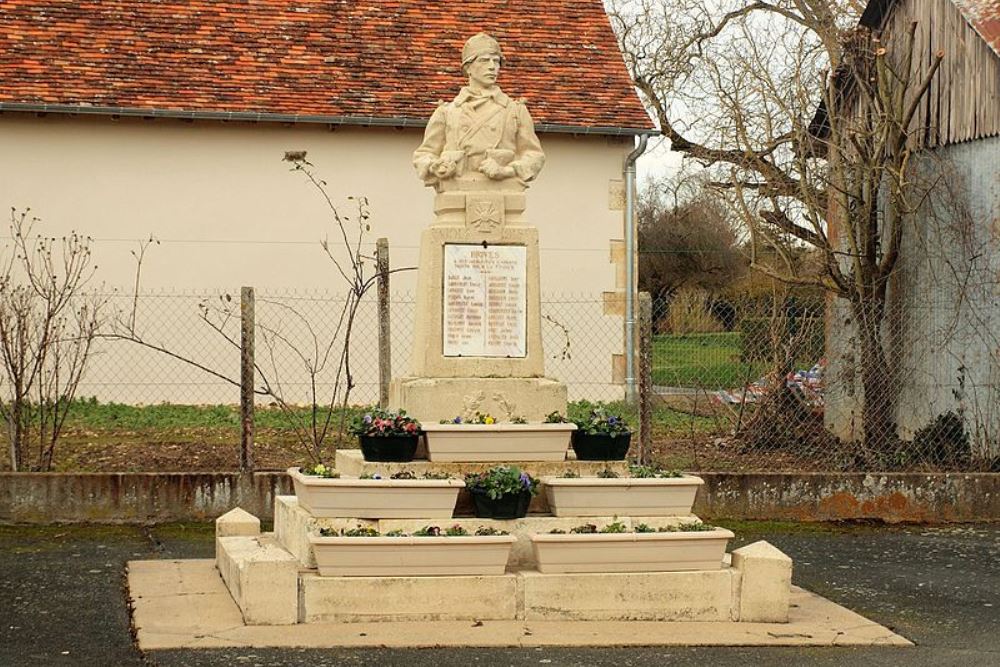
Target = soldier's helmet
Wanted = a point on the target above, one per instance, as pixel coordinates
(477, 45)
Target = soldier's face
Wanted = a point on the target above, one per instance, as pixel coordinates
(485, 70)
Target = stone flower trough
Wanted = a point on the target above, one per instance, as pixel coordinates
(411, 556)
(502, 443)
(376, 498)
(621, 496)
(631, 552)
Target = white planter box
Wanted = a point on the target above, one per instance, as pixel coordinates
(376, 498)
(631, 552)
(623, 496)
(411, 556)
(497, 442)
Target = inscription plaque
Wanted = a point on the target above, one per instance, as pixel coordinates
(485, 300)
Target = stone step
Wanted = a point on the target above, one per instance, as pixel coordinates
(269, 586)
(525, 595)
(351, 463)
(293, 524)
(261, 576)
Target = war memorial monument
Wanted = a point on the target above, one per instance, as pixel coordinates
(394, 544)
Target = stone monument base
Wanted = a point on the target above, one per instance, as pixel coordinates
(433, 399)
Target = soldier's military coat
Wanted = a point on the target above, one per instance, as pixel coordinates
(473, 124)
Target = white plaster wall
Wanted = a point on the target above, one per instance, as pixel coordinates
(228, 212)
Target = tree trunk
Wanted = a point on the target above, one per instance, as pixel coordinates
(877, 379)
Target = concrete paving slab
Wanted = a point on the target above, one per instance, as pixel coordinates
(213, 620)
(170, 577)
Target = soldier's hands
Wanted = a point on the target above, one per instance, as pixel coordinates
(492, 168)
(443, 168)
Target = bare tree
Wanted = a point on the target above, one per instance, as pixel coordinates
(689, 244)
(47, 327)
(735, 84)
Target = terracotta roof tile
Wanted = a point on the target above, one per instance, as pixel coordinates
(984, 16)
(382, 59)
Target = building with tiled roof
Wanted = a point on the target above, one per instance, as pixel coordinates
(134, 118)
(376, 62)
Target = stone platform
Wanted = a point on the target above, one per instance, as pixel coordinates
(273, 579)
(185, 604)
(263, 578)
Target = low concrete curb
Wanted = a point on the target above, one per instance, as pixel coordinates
(161, 497)
(890, 497)
(136, 497)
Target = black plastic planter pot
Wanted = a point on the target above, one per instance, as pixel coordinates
(510, 506)
(393, 448)
(600, 447)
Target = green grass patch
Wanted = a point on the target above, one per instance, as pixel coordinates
(92, 414)
(709, 360)
(706, 361)
(665, 421)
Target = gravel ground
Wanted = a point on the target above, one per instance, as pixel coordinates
(62, 601)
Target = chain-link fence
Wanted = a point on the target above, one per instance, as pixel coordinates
(183, 347)
(736, 382)
(741, 383)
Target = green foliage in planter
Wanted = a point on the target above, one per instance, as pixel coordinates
(607, 473)
(600, 422)
(687, 528)
(619, 527)
(650, 472)
(436, 475)
(380, 423)
(406, 475)
(320, 470)
(357, 531)
(585, 529)
(614, 527)
(555, 418)
(489, 531)
(435, 531)
(500, 481)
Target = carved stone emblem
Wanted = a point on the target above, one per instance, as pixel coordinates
(484, 213)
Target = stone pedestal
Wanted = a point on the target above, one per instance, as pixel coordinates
(431, 399)
(477, 338)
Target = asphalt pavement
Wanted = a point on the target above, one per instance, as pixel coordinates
(63, 602)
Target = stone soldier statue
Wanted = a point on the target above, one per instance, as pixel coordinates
(482, 132)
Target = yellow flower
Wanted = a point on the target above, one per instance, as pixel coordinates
(490, 420)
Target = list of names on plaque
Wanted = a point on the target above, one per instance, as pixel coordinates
(485, 300)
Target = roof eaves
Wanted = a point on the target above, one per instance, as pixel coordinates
(267, 117)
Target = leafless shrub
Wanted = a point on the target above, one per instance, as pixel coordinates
(48, 323)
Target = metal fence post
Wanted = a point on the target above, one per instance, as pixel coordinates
(384, 343)
(246, 379)
(645, 375)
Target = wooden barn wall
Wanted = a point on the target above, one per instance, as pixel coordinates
(964, 98)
